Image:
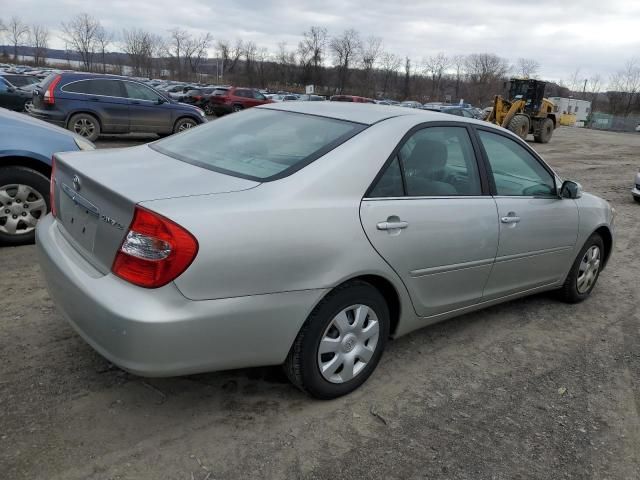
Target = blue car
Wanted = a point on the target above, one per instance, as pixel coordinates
(26, 148)
(92, 104)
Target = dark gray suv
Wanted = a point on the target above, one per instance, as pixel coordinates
(90, 104)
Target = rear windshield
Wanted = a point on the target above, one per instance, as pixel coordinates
(259, 144)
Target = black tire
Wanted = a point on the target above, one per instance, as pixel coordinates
(569, 292)
(301, 365)
(519, 125)
(16, 175)
(637, 199)
(183, 124)
(208, 110)
(546, 131)
(85, 125)
(237, 108)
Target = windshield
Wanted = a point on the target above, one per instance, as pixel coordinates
(21, 80)
(259, 144)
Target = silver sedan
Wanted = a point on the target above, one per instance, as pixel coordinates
(635, 191)
(308, 234)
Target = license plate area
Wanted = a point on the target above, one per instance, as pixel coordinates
(79, 217)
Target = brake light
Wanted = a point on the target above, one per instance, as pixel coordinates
(49, 97)
(52, 188)
(155, 251)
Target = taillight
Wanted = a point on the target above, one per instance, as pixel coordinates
(155, 250)
(49, 97)
(52, 188)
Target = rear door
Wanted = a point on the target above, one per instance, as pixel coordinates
(430, 216)
(146, 112)
(538, 229)
(106, 98)
(9, 98)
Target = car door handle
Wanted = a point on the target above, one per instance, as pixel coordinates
(394, 225)
(510, 219)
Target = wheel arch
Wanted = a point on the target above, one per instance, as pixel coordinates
(23, 160)
(386, 289)
(607, 239)
(186, 116)
(86, 112)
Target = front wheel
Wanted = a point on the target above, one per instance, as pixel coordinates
(24, 200)
(208, 110)
(520, 126)
(236, 108)
(584, 272)
(341, 342)
(184, 124)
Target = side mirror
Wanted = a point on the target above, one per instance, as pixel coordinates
(570, 189)
(11, 89)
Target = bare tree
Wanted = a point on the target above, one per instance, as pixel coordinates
(485, 71)
(178, 37)
(345, 49)
(527, 67)
(103, 40)
(390, 64)
(311, 49)
(458, 64)
(575, 82)
(407, 78)
(39, 41)
(435, 67)
(370, 51)
(18, 32)
(141, 47)
(626, 86)
(195, 51)
(80, 34)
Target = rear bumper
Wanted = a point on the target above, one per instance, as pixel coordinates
(159, 332)
(636, 192)
(51, 116)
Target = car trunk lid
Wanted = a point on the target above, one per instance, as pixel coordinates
(96, 194)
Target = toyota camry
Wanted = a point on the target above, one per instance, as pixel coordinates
(308, 234)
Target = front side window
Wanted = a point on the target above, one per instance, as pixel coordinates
(3, 86)
(515, 171)
(140, 92)
(259, 144)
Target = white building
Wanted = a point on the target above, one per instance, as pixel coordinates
(580, 108)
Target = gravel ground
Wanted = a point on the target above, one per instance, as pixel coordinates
(530, 389)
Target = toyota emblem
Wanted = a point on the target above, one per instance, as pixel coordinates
(76, 183)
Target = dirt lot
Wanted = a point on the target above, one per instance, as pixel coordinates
(530, 389)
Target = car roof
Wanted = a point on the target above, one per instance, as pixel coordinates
(365, 113)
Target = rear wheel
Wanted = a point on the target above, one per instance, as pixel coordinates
(341, 342)
(24, 200)
(184, 124)
(519, 125)
(85, 125)
(584, 272)
(546, 131)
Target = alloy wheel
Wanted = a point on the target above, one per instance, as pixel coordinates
(20, 209)
(348, 343)
(84, 127)
(185, 126)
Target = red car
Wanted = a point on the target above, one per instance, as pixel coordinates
(234, 99)
(351, 98)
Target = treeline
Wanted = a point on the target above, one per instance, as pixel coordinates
(343, 63)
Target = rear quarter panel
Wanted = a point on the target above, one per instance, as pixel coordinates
(298, 233)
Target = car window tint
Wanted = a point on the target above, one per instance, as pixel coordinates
(140, 92)
(439, 161)
(3, 86)
(259, 96)
(390, 183)
(81, 86)
(515, 171)
(108, 88)
(259, 144)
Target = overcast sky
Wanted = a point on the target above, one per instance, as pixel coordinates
(562, 35)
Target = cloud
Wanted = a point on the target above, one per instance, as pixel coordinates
(562, 35)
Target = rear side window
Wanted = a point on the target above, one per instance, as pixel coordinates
(103, 87)
(137, 91)
(259, 144)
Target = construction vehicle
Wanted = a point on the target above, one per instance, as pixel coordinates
(526, 111)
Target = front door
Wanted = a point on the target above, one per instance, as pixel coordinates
(428, 217)
(538, 229)
(147, 113)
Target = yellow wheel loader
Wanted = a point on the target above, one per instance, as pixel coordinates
(526, 111)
